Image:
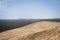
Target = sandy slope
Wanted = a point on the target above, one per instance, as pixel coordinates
(35, 31)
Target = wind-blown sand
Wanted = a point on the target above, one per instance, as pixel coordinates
(35, 31)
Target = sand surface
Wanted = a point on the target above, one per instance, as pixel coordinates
(35, 31)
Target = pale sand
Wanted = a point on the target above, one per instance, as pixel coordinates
(35, 31)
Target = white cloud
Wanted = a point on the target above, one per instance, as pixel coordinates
(3, 5)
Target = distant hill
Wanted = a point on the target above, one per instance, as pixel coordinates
(54, 20)
(11, 24)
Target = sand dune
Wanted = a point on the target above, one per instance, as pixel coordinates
(35, 31)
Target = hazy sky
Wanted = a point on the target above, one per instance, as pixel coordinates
(16, 9)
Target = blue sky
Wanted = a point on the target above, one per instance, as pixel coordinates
(17, 9)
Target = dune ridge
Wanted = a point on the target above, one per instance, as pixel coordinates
(35, 31)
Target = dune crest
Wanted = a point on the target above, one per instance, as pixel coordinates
(35, 31)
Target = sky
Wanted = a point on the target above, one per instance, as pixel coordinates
(36, 9)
